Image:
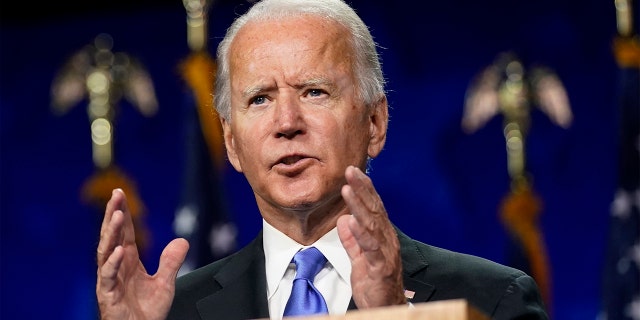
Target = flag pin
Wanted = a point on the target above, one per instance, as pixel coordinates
(409, 294)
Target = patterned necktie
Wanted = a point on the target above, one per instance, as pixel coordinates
(305, 298)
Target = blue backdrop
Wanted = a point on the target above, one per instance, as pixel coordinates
(439, 184)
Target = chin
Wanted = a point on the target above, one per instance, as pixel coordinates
(299, 204)
(307, 201)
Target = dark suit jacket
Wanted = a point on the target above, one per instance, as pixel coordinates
(235, 287)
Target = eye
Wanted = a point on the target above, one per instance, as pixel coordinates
(258, 100)
(315, 92)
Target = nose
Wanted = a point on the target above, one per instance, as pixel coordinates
(288, 117)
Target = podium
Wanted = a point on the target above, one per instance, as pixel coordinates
(458, 309)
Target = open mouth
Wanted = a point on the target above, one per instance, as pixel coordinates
(293, 164)
(289, 160)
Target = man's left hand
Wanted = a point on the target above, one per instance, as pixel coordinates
(371, 243)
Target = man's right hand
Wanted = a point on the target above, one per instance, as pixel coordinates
(124, 288)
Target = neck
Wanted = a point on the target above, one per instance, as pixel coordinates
(307, 224)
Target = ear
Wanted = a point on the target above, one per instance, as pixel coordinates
(378, 119)
(230, 144)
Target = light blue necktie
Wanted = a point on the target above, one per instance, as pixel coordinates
(305, 298)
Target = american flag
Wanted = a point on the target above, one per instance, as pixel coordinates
(621, 287)
(203, 217)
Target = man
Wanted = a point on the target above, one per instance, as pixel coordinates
(300, 93)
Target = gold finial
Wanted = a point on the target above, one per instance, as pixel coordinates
(103, 77)
(506, 87)
(624, 17)
(196, 23)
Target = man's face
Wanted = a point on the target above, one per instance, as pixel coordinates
(296, 120)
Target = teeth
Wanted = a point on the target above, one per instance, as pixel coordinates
(291, 160)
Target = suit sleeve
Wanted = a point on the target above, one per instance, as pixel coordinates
(521, 301)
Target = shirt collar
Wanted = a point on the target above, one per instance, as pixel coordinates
(280, 249)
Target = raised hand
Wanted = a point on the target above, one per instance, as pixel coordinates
(371, 243)
(124, 288)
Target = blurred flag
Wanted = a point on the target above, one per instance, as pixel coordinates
(621, 286)
(203, 217)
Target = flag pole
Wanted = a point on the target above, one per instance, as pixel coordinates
(202, 216)
(199, 70)
(506, 88)
(621, 289)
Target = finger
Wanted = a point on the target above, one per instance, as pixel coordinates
(362, 249)
(364, 189)
(371, 227)
(363, 234)
(111, 237)
(112, 205)
(346, 237)
(108, 273)
(119, 202)
(366, 206)
(171, 259)
(128, 228)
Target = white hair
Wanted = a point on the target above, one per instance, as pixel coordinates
(367, 68)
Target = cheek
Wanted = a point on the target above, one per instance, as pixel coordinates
(352, 135)
(243, 144)
(357, 126)
(253, 142)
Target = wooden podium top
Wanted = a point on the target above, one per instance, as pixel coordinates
(437, 310)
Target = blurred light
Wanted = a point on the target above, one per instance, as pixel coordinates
(97, 82)
(101, 131)
(624, 17)
(99, 107)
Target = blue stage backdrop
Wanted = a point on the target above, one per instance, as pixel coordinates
(439, 184)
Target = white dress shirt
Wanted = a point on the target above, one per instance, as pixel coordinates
(333, 281)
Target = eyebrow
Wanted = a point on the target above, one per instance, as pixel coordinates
(312, 82)
(252, 91)
(319, 81)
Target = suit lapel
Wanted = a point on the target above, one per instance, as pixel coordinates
(413, 265)
(352, 305)
(242, 293)
(416, 290)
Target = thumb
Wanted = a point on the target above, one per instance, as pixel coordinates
(172, 258)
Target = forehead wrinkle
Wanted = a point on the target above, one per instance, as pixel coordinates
(333, 44)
